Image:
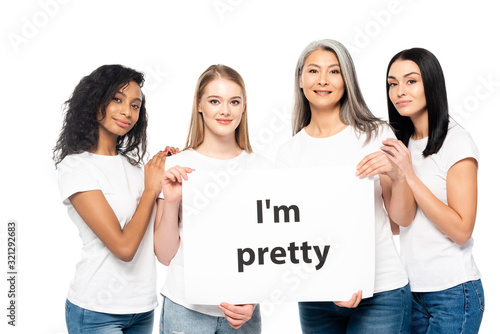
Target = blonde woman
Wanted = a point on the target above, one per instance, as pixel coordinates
(218, 138)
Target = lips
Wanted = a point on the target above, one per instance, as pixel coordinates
(223, 121)
(322, 92)
(403, 103)
(121, 123)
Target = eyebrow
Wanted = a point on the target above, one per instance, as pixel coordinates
(404, 76)
(333, 65)
(123, 94)
(217, 96)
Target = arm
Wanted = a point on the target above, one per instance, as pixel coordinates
(456, 219)
(398, 197)
(94, 209)
(166, 235)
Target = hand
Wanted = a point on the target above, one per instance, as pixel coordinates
(171, 150)
(390, 162)
(171, 182)
(237, 315)
(153, 172)
(353, 302)
(399, 154)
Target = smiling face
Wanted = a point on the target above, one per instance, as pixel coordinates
(321, 80)
(122, 112)
(222, 105)
(406, 89)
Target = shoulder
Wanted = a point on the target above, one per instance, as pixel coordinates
(383, 132)
(255, 160)
(457, 134)
(75, 161)
(297, 140)
(182, 158)
(458, 145)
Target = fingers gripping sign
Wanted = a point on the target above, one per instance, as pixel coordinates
(353, 302)
(172, 182)
(237, 315)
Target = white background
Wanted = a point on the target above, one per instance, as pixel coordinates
(48, 45)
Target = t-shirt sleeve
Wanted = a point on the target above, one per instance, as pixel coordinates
(458, 145)
(73, 177)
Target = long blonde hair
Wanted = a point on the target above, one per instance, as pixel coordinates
(196, 133)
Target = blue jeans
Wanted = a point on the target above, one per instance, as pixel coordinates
(386, 312)
(176, 318)
(458, 310)
(80, 321)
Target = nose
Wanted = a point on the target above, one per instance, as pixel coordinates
(323, 81)
(401, 90)
(224, 110)
(126, 111)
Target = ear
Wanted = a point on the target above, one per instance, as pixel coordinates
(300, 81)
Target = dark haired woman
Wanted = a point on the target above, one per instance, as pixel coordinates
(111, 201)
(441, 169)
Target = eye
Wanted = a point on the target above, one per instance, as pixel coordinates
(335, 71)
(412, 81)
(235, 102)
(117, 99)
(213, 101)
(136, 107)
(313, 71)
(392, 84)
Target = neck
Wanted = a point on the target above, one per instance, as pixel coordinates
(219, 148)
(325, 123)
(106, 145)
(421, 125)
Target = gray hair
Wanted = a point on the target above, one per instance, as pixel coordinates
(353, 110)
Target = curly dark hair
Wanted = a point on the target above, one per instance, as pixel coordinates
(89, 100)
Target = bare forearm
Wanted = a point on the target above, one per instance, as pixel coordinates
(167, 239)
(133, 233)
(401, 206)
(445, 218)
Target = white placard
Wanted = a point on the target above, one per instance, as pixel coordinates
(303, 234)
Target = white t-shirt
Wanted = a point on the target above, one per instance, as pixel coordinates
(104, 283)
(347, 148)
(174, 285)
(433, 261)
